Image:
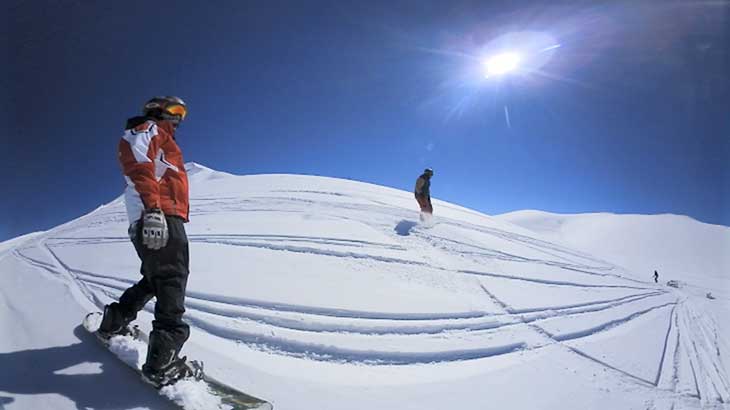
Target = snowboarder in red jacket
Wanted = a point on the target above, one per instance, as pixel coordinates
(157, 205)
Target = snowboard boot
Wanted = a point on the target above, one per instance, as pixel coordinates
(163, 367)
(115, 323)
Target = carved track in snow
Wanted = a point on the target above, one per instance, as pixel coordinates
(305, 331)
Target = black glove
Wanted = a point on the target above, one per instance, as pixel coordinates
(154, 229)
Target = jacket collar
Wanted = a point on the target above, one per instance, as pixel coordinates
(136, 121)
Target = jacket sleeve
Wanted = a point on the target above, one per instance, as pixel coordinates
(138, 149)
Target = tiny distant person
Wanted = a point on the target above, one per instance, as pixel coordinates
(656, 277)
(423, 193)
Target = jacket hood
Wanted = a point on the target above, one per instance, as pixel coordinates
(136, 121)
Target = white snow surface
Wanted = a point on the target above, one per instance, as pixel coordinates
(322, 293)
(677, 246)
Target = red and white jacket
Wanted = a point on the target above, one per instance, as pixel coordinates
(153, 167)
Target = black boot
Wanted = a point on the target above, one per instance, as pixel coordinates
(115, 322)
(163, 366)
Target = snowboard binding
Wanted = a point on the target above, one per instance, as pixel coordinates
(92, 323)
(178, 370)
(131, 331)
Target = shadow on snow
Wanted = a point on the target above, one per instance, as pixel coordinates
(404, 227)
(37, 371)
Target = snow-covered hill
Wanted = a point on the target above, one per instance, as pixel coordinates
(677, 246)
(320, 293)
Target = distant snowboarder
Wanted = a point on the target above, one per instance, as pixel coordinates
(656, 277)
(423, 193)
(157, 206)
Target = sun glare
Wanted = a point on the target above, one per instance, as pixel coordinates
(502, 63)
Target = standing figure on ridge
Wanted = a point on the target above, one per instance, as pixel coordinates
(157, 205)
(656, 277)
(423, 193)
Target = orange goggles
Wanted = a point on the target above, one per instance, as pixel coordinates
(177, 109)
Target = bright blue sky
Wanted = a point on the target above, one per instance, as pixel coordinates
(631, 114)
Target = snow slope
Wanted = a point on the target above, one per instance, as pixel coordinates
(321, 293)
(9, 245)
(680, 248)
(677, 246)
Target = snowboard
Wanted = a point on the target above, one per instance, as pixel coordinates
(190, 393)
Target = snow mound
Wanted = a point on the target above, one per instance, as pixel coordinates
(193, 395)
(315, 292)
(129, 350)
(200, 173)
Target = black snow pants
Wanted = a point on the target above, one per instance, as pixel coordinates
(164, 276)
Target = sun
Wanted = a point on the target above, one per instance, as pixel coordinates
(502, 63)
